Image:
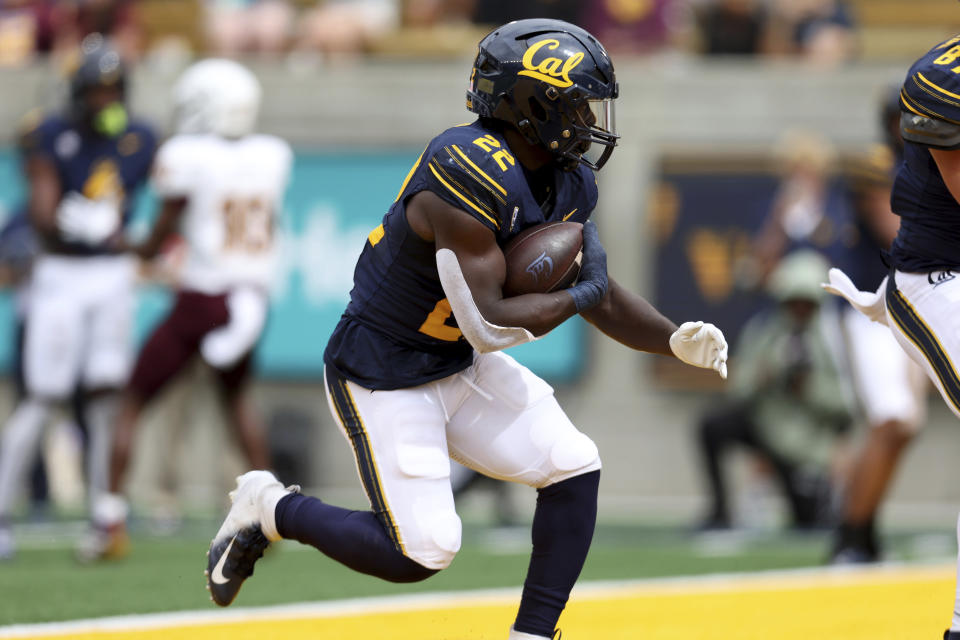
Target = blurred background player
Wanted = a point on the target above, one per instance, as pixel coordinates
(82, 168)
(891, 388)
(18, 249)
(222, 187)
(787, 401)
(414, 371)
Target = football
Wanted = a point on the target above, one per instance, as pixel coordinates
(544, 258)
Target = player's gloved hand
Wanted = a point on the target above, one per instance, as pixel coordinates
(592, 283)
(869, 304)
(80, 219)
(702, 345)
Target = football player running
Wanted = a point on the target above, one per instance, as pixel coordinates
(918, 299)
(415, 373)
(82, 169)
(222, 187)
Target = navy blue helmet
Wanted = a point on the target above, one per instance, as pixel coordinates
(554, 83)
(99, 65)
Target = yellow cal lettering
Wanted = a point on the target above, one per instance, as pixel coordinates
(551, 70)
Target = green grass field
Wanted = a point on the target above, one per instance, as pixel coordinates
(43, 583)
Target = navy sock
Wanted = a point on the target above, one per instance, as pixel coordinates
(562, 531)
(353, 538)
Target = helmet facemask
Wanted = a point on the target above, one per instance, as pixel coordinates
(594, 131)
(574, 127)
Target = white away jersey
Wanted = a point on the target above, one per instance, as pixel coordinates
(234, 191)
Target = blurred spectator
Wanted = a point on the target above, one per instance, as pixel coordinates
(235, 27)
(787, 401)
(632, 26)
(821, 31)
(731, 27)
(62, 24)
(497, 12)
(18, 32)
(344, 28)
(805, 210)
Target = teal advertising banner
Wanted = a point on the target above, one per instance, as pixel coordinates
(334, 200)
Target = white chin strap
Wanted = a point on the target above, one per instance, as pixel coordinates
(482, 335)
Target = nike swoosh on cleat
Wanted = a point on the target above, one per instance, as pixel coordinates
(217, 576)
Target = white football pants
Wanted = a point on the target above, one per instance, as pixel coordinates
(923, 311)
(495, 417)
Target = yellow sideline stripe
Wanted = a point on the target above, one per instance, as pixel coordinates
(845, 605)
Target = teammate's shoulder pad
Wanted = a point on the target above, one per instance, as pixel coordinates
(929, 131)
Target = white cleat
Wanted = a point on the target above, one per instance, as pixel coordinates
(244, 535)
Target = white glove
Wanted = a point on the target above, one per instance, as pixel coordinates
(80, 219)
(873, 305)
(702, 345)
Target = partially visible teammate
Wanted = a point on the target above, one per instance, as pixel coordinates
(414, 370)
(222, 187)
(82, 169)
(920, 298)
(891, 387)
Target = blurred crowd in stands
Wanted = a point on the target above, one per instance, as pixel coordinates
(822, 30)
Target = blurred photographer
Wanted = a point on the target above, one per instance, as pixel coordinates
(788, 402)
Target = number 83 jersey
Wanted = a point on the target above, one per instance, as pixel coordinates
(398, 329)
(234, 190)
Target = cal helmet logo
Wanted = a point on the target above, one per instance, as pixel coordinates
(549, 69)
(541, 267)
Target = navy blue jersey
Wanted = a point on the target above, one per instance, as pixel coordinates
(92, 165)
(929, 236)
(398, 329)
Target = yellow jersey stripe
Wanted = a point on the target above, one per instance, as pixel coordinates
(472, 175)
(479, 170)
(913, 105)
(410, 173)
(459, 185)
(376, 235)
(571, 213)
(905, 101)
(463, 198)
(938, 88)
